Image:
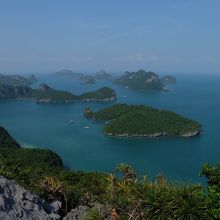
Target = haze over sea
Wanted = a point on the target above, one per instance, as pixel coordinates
(48, 126)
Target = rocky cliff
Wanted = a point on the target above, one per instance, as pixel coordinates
(16, 203)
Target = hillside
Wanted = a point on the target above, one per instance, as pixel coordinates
(97, 195)
(143, 121)
(6, 141)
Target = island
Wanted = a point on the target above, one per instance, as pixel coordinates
(168, 79)
(66, 73)
(141, 81)
(17, 80)
(87, 79)
(32, 79)
(46, 94)
(103, 75)
(123, 120)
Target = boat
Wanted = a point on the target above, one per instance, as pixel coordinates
(86, 127)
(71, 122)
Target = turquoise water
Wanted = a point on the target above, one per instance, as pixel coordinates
(47, 126)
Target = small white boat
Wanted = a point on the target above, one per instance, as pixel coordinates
(71, 122)
(86, 127)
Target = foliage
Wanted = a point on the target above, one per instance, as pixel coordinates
(100, 94)
(122, 195)
(213, 176)
(48, 94)
(140, 120)
(6, 141)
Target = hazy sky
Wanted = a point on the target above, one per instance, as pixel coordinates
(115, 35)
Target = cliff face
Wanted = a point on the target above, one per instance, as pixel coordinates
(10, 92)
(18, 203)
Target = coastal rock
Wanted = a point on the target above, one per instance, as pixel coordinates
(191, 134)
(81, 212)
(16, 203)
(78, 213)
(88, 113)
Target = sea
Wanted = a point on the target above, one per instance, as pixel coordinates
(83, 146)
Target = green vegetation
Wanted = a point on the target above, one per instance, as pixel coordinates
(138, 120)
(6, 141)
(141, 80)
(213, 176)
(105, 94)
(122, 194)
(47, 94)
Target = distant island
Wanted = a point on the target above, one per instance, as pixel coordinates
(168, 79)
(142, 81)
(17, 80)
(103, 75)
(87, 80)
(46, 94)
(67, 73)
(142, 121)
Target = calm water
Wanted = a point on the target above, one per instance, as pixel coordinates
(47, 126)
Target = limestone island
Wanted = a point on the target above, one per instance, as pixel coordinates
(87, 79)
(66, 73)
(123, 120)
(17, 80)
(141, 81)
(46, 94)
(168, 80)
(103, 75)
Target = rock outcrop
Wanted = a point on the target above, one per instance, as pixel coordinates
(16, 203)
(82, 212)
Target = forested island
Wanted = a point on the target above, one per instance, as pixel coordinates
(142, 81)
(142, 121)
(56, 192)
(46, 94)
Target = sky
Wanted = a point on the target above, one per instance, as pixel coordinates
(115, 35)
